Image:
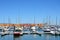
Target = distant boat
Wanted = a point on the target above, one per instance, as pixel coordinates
(33, 29)
(4, 31)
(46, 29)
(53, 30)
(1, 29)
(18, 32)
(58, 30)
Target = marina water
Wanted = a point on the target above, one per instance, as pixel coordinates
(30, 37)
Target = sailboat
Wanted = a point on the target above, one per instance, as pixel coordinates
(46, 28)
(18, 30)
(54, 30)
(34, 27)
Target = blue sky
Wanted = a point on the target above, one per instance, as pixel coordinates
(23, 11)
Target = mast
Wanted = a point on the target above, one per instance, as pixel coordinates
(18, 20)
(9, 21)
(46, 22)
(59, 22)
(34, 19)
(56, 20)
(49, 20)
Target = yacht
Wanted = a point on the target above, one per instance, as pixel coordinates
(18, 31)
(33, 28)
(53, 30)
(46, 29)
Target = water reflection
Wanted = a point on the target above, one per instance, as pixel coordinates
(27, 37)
(6, 37)
(17, 37)
(31, 37)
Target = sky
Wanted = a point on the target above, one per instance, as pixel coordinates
(25, 11)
